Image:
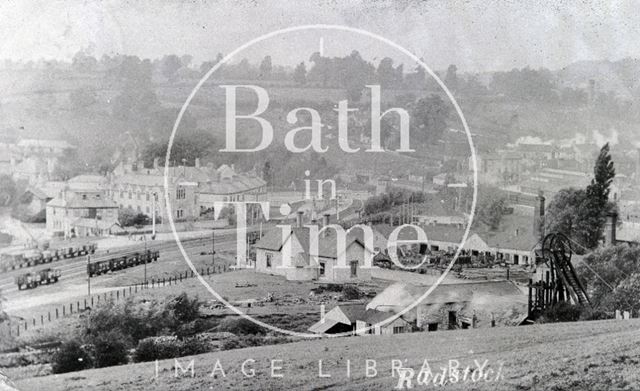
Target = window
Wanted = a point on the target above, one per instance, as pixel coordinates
(84, 196)
(354, 268)
(398, 329)
(322, 268)
(268, 257)
(181, 194)
(432, 327)
(179, 213)
(147, 196)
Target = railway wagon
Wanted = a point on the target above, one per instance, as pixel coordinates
(34, 257)
(122, 261)
(34, 279)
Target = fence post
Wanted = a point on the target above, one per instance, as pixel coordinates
(78, 306)
(63, 311)
(49, 316)
(136, 286)
(129, 290)
(56, 313)
(34, 322)
(71, 308)
(41, 319)
(25, 325)
(117, 295)
(85, 304)
(18, 330)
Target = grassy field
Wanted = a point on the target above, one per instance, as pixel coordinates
(598, 355)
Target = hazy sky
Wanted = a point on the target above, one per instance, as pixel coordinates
(475, 35)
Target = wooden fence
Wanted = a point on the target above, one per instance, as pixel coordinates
(15, 328)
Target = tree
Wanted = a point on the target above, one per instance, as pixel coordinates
(169, 66)
(8, 190)
(386, 72)
(266, 172)
(70, 357)
(451, 79)
(266, 67)
(430, 122)
(82, 97)
(491, 212)
(581, 214)
(300, 74)
(612, 277)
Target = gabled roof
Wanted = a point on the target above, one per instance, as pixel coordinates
(327, 243)
(76, 201)
(353, 312)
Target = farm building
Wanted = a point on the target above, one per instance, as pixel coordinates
(358, 320)
(453, 306)
(307, 264)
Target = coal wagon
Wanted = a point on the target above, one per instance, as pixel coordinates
(34, 279)
(117, 262)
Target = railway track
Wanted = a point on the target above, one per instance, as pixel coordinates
(75, 269)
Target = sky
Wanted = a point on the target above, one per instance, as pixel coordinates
(475, 35)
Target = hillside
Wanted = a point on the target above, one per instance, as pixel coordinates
(598, 355)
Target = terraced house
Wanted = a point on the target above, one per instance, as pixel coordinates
(193, 190)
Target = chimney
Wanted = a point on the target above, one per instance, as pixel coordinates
(610, 238)
(325, 219)
(197, 162)
(325, 222)
(156, 163)
(299, 219)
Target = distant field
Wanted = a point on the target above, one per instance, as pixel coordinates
(599, 355)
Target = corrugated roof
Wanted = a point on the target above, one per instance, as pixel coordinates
(400, 295)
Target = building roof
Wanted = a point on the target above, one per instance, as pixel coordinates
(401, 295)
(94, 223)
(42, 143)
(74, 200)
(323, 326)
(327, 243)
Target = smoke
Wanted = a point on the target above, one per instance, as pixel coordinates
(601, 139)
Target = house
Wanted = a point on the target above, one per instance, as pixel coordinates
(38, 159)
(193, 190)
(453, 306)
(289, 253)
(356, 319)
(225, 184)
(513, 242)
(81, 213)
(503, 166)
(142, 189)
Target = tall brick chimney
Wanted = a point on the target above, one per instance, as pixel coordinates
(610, 238)
(299, 219)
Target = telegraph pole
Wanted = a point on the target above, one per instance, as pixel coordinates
(146, 255)
(89, 275)
(213, 247)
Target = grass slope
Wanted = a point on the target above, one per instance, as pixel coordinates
(601, 355)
